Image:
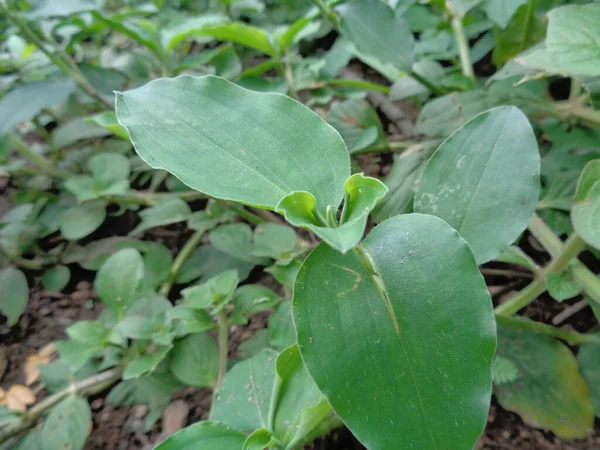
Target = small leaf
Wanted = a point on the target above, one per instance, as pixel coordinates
(378, 32)
(74, 131)
(81, 220)
(194, 360)
(215, 292)
(107, 169)
(207, 435)
(274, 241)
(259, 440)
(56, 278)
(502, 11)
(503, 370)
(108, 120)
(357, 122)
(549, 391)
(145, 363)
(67, 425)
(207, 261)
(243, 399)
(241, 33)
(492, 190)
(585, 214)
(118, 279)
(14, 293)
(514, 255)
(562, 286)
(165, 212)
(235, 239)
(249, 300)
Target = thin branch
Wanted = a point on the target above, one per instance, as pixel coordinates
(180, 260)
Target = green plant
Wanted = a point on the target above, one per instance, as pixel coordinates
(392, 334)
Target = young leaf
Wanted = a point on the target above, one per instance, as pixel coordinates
(274, 241)
(357, 122)
(235, 239)
(549, 392)
(217, 291)
(503, 370)
(372, 323)
(208, 262)
(67, 425)
(502, 11)
(492, 190)
(145, 364)
(14, 293)
(118, 279)
(562, 286)
(249, 300)
(259, 440)
(281, 326)
(56, 278)
(165, 212)
(243, 399)
(206, 435)
(80, 220)
(378, 32)
(220, 139)
(586, 206)
(194, 360)
(589, 360)
(241, 33)
(108, 120)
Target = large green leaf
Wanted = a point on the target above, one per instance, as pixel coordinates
(14, 293)
(589, 360)
(378, 32)
(484, 181)
(400, 358)
(204, 435)
(194, 360)
(548, 392)
(80, 220)
(67, 425)
(585, 213)
(119, 278)
(233, 143)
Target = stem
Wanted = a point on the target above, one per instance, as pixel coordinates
(67, 66)
(463, 46)
(285, 71)
(223, 338)
(575, 89)
(425, 82)
(242, 212)
(29, 264)
(327, 13)
(89, 386)
(180, 260)
(584, 113)
(571, 337)
(41, 162)
(572, 248)
(151, 198)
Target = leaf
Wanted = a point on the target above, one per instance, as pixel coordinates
(501, 11)
(585, 213)
(250, 299)
(108, 120)
(572, 42)
(491, 192)
(295, 393)
(281, 326)
(67, 425)
(207, 435)
(108, 169)
(74, 131)
(589, 361)
(44, 9)
(118, 279)
(362, 194)
(243, 399)
(219, 138)
(14, 293)
(514, 255)
(207, 261)
(81, 220)
(165, 212)
(408, 86)
(503, 371)
(274, 241)
(194, 360)
(372, 323)
(525, 31)
(26, 101)
(217, 291)
(260, 440)
(56, 278)
(462, 7)
(378, 32)
(357, 122)
(145, 363)
(236, 240)
(173, 36)
(549, 391)
(562, 286)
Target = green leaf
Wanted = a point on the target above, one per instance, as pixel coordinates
(514, 255)
(585, 214)
(462, 7)
(207, 261)
(572, 43)
(281, 326)
(372, 323)
(243, 399)
(165, 212)
(241, 33)
(408, 86)
(217, 291)
(108, 120)
(67, 425)
(194, 360)
(492, 190)
(589, 360)
(145, 364)
(249, 300)
(298, 406)
(206, 435)
(107, 169)
(81, 220)
(357, 122)
(274, 241)
(259, 440)
(118, 279)
(501, 11)
(174, 35)
(235, 239)
(56, 278)
(503, 370)
(562, 286)
(27, 100)
(525, 31)
(362, 194)
(549, 391)
(74, 131)
(378, 32)
(219, 138)
(14, 293)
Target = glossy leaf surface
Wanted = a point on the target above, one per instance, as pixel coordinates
(484, 181)
(399, 357)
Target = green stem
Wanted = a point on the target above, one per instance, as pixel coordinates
(285, 71)
(463, 47)
(435, 90)
(152, 198)
(571, 337)
(359, 84)
(89, 386)
(584, 113)
(242, 212)
(327, 12)
(179, 261)
(61, 61)
(572, 248)
(36, 159)
(29, 264)
(575, 89)
(223, 346)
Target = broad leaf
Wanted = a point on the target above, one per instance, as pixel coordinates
(484, 181)
(357, 122)
(589, 360)
(502, 11)
(236, 240)
(207, 435)
(194, 360)
(241, 33)
(462, 7)
(118, 279)
(166, 212)
(562, 286)
(372, 323)
(586, 206)
(80, 220)
(378, 32)
(108, 120)
(549, 391)
(220, 139)
(56, 278)
(260, 440)
(274, 241)
(14, 293)
(243, 399)
(67, 425)
(208, 261)
(145, 363)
